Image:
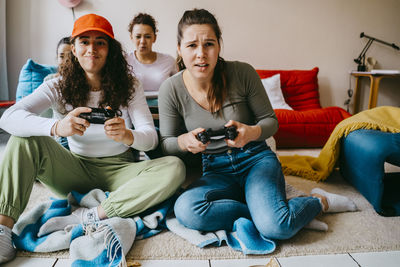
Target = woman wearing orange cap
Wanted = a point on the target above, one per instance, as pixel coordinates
(95, 74)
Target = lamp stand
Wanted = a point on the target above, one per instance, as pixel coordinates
(361, 58)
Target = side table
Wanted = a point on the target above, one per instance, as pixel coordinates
(375, 79)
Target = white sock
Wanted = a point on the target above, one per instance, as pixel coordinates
(336, 203)
(317, 225)
(81, 215)
(7, 250)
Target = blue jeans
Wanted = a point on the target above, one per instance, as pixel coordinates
(246, 182)
(363, 154)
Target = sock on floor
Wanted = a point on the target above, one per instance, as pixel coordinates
(317, 225)
(336, 203)
(7, 250)
(81, 215)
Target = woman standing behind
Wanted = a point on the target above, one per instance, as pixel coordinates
(150, 67)
(242, 177)
(96, 75)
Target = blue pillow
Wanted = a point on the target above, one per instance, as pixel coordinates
(31, 76)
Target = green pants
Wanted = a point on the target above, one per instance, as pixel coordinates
(133, 186)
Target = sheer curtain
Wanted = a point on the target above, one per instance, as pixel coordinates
(4, 94)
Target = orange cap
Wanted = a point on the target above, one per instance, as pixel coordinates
(92, 22)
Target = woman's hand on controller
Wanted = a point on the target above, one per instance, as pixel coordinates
(116, 130)
(72, 123)
(246, 133)
(189, 142)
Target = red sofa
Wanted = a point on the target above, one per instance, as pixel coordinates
(308, 124)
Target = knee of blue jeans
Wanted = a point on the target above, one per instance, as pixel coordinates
(186, 214)
(276, 230)
(183, 211)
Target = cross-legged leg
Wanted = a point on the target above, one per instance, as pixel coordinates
(273, 215)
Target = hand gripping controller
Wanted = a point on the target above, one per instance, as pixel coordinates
(224, 133)
(100, 115)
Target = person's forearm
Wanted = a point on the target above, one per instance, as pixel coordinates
(128, 138)
(268, 127)
(170, 146)
(255, 132)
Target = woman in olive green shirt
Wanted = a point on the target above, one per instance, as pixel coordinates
(242, 177)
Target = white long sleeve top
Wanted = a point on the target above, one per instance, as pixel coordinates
(22, 119)
(152, 75)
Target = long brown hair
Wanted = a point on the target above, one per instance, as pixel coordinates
(218, 91)
(117, 83)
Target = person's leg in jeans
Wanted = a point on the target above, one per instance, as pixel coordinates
(272, 214)
(255, 172)
(362, 162)
(214, 201)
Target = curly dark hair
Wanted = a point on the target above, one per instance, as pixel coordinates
(118, 83)
(143, 18)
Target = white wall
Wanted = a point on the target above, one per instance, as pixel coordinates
(269, 34)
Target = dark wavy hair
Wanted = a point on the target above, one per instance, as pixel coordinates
(117, 83)
(218, 92)
(143, 18)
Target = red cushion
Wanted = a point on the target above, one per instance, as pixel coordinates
(299, 87)
(310, 128)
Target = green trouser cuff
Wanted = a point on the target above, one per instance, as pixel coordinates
(108, 209)
(10, 211)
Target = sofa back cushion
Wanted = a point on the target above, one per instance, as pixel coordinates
(299, 87)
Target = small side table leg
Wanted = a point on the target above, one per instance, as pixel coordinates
(356, 107)
(373, 94)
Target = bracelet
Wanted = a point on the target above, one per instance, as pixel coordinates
(54, 130)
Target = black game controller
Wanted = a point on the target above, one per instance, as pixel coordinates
(100, 115)
(224, 133)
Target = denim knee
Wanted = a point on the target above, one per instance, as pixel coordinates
(184, 213)
(276, 229)
(192, 213)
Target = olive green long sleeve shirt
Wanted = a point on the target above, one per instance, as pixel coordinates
(247, 102)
